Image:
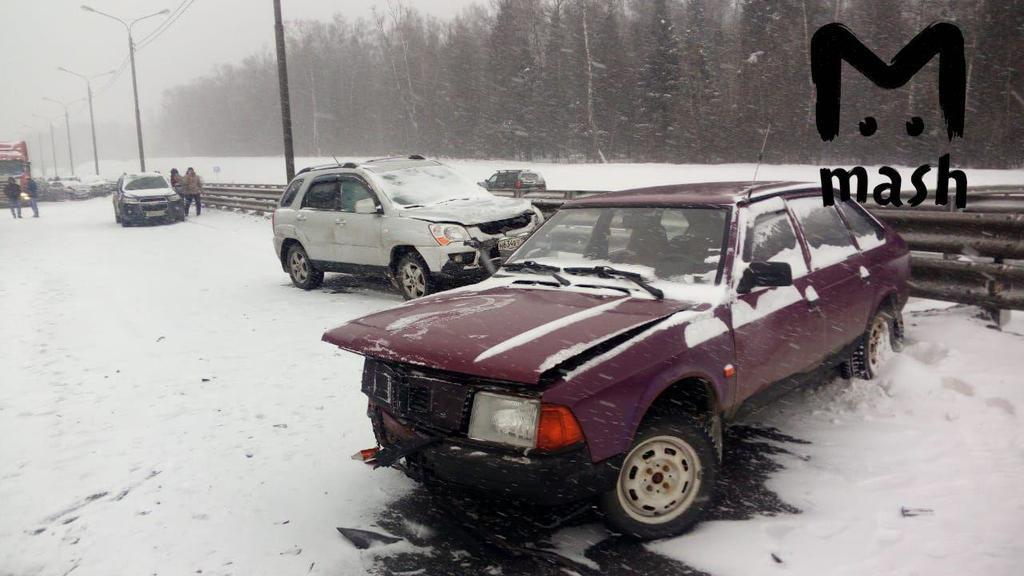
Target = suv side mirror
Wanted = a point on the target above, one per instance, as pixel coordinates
(765, 274)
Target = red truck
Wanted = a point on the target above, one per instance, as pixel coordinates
(14, 162)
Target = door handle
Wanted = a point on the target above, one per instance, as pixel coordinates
(339, 222)
(301, 218)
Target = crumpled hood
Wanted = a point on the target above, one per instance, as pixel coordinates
(506, 332)
(471, 211)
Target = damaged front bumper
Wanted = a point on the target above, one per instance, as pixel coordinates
(545, 479)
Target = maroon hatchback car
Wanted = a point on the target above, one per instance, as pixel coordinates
(604, 356)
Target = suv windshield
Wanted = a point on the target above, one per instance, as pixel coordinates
(146, 183)
(677, 244)
(425, 185)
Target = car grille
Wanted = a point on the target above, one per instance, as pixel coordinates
(502, 226)
(427, 399)
(431, 400)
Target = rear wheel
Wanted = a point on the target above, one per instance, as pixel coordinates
(874, 347)
(414, 278)
(667, 480)
(301, 269)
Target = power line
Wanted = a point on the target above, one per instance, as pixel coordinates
(166, 24)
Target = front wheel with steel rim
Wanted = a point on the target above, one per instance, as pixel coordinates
(667, 479)
(301, 269)
(413, 276)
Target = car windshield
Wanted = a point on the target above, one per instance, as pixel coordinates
(11, 167)
(146, 183)
(426, 185)
(676, 244)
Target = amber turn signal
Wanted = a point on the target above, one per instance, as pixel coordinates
(558, 428)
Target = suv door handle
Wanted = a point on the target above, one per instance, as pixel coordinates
(339, 221)
(301, 217)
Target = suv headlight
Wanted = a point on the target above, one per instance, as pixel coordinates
(174, 197)
(523, 422)
(130, 200)
(445, 234)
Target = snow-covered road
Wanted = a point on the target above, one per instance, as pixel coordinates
(167, 407)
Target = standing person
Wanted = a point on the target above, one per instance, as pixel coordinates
(13, 192)
(176, 180)
(33, 195)
(193, 188)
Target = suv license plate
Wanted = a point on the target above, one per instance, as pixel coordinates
(151, 213)
(511, 243)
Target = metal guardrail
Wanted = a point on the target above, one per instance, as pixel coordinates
(949, 246)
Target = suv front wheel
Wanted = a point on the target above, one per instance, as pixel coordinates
(413, 276)
(667, 479)
(301, 269)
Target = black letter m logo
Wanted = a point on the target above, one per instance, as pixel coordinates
(833, 43)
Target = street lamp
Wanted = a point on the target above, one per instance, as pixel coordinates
(135, 84)
(53, 144)
(67, 126)
(92, 119)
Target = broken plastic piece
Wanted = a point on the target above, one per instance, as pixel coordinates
(368, 455)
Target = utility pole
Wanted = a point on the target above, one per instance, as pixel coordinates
(282, 80)
(135, 83)
(53, 144)
(67, 126)
(92, 119)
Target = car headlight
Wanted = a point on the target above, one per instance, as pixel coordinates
(505, 419)
(523, 422)
(174, 197)
(130, 200)
(445, 234)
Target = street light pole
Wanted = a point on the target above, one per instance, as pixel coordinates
(67, 126)
(135, 84)
(92, 119)
(53, 145)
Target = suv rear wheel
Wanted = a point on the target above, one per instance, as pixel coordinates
(303, 273)
(413, 276)
(667, 479)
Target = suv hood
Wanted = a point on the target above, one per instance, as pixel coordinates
(151, 193)
(506, 333)
(471, 211)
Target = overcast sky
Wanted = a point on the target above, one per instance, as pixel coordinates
(40, 35)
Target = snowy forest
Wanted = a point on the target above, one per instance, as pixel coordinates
(589, 80)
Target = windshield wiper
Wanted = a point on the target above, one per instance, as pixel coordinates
(609, 272)
(532, 266)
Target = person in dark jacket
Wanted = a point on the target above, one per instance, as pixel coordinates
(176, 180)
(192, 188)
(13, 192)
(33, 195)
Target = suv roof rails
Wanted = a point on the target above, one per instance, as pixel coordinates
(386, 158)
(325, 167)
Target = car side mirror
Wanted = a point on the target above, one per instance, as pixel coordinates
(765, 274)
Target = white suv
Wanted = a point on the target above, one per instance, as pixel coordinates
(413, 219)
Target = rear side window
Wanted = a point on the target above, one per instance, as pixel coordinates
(322, 195)
(290, 192)
(826, 235)
(773, 239)
(867, 232)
